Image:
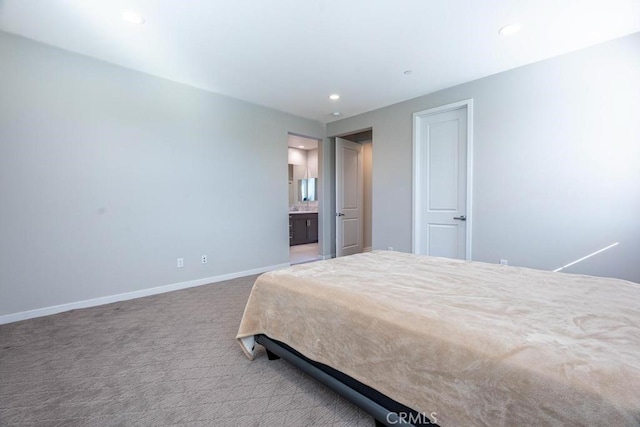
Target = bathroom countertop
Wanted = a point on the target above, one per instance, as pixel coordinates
(303, 212)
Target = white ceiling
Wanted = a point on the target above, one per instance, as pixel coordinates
(292, 54)
(302, 142)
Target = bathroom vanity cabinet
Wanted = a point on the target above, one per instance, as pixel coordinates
(303, 228)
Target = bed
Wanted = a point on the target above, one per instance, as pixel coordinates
(468, 343)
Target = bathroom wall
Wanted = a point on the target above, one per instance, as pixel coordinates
(305, 165)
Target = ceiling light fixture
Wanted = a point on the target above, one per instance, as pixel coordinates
(334, 97)
(336, 114)
(407, 72)
(300, 146)
(509, 30)
(132, 17)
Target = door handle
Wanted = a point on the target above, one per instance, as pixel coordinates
(339, 214)
(460, 218)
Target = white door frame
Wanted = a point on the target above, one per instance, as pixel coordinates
(419, 192)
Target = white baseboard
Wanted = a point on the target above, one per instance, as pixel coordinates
(327, 256)
(367, 249)
(45, 311)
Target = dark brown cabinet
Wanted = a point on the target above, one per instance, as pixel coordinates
(303, 228)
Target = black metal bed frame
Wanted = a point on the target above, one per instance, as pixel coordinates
(385, 411)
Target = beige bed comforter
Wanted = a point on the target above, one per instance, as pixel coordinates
(476, 343)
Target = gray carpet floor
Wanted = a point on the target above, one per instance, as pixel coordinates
(168, 359)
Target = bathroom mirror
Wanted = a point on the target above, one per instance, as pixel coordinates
(308, 189)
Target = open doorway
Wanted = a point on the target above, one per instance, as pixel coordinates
(304, 174)
(354, 193)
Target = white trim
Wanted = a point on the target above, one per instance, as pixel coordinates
(45, 311)
(367, 249)
(606, 248)
(324, 257)
(468, 103)
(469, 221)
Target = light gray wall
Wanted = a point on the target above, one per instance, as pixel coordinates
(108, 175)
(367, 155)
(556, 162)
(312, 163)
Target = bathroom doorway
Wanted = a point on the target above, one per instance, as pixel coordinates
(304, 195)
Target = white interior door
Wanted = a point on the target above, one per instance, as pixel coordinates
(349, 197)
(440, 183)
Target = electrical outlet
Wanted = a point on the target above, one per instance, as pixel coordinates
(180, 262)
(504, 262)
(204, 259)
(390, 248)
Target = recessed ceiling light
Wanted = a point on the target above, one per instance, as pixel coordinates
(510, 29)
(334, 97)
(132, 17)
(336, 113)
